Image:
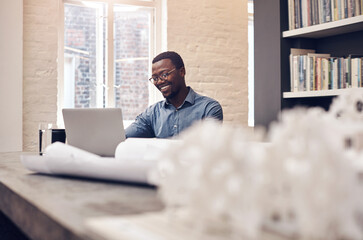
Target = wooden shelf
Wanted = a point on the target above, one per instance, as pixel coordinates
(321, 93)
(343, 26)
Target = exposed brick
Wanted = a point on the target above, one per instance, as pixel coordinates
(212, 38)
(39, 67)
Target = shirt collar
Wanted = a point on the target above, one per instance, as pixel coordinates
(190, 98)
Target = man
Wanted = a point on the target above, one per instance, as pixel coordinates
(181, 107)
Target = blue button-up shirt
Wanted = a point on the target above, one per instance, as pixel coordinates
(163, 120)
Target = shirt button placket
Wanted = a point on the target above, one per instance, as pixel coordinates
(176, 120)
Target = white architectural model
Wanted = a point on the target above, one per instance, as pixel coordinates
(302, 184)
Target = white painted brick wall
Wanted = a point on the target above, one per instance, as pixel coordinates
(39, 67)
(210, 35)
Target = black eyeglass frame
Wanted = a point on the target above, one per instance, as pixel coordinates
(163, 77)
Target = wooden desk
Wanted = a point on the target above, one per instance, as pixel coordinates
(48, 207)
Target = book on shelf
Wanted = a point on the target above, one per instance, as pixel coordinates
(335, 73)
(315, 61)
(327, 11)
(310, 71)
(334, 4)
(356, 69)
(294, 74)
(291, 12)
(343, 76)
(318, 74)
(349, 8)
(325, 74)
(338, 10)
(341, 69)
(348, 81)
(332, 73)
(316, 12)
(301, 74)
(294, 67)
(304, 13)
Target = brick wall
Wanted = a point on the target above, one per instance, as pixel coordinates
(40, 44)
(211, 36)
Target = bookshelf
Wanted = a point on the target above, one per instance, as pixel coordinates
(273, 41)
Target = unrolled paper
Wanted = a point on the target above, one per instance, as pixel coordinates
(134, 159)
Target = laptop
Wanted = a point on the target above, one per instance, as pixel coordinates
(96, 130)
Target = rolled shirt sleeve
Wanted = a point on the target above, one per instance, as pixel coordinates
(214, 110)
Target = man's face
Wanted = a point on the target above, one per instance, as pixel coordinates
(175, 80)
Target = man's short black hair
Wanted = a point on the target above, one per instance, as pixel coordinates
(173, 56)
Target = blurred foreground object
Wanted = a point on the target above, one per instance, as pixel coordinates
(303, 184)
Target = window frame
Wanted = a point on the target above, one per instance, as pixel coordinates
(157, 44)
(251, 76)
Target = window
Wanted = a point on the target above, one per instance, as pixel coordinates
(84, 55)
(131, 58)
(108, 47)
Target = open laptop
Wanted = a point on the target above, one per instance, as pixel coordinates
(96, 130)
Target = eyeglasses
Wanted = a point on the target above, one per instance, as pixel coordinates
(163, 77)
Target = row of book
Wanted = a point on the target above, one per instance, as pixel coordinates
(310, 71)
(304, 13)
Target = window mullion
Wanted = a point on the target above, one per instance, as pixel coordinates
(99, 58)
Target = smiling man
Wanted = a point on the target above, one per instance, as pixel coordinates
(181, 107)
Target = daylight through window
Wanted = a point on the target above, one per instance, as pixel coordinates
(108, 66)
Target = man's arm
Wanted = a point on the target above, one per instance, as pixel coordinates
(141, 128)
(214, 110)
